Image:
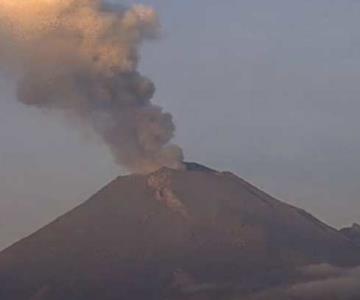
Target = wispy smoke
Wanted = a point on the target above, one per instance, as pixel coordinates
(81, 56)
(322, 282)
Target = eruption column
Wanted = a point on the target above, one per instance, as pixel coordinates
(81, 57)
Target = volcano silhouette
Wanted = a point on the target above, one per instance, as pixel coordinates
(172, 234)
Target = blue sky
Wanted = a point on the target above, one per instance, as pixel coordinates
(266, 89)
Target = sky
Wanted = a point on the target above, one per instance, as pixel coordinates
(266, 89)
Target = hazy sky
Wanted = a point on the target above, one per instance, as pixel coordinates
(267, 89)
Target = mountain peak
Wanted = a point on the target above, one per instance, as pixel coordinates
(352, 233)
(192, 166)
(131, 239)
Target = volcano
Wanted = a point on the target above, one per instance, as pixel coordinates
(172, 234)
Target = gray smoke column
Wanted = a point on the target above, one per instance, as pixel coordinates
(81, 57)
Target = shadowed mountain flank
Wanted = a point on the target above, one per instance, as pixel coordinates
(173, 234)
(353, 233)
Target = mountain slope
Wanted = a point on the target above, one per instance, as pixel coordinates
(170, 233)
(353, 233)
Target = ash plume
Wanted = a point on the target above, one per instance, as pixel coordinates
(81, 57)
